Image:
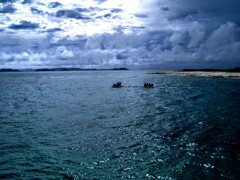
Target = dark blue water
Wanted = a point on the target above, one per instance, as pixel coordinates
(73, 125)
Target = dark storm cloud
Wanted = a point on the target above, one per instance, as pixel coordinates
(183, 14)
(79, 42)
(165, 8)
(215, 6)
(75, 13)
(24, 25)
(114, 41)
(224, 9)
(191, 47)
(27, 1)
(136, 29)
(53, 30)
(167, 49)
(121, 56)
(141, 15)
(200, 33)
(54, 4)
(7, 9)
(156, 38)
(112, 13)
(18, 43)
(116, 10)
(34, 10)
(7, 1)
(174, 33)
(108, 15)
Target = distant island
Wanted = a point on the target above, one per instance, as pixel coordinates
(216, 73)
(9, 70)
(60, 69)
(121, 69)
(64, 69)
(78, 69)
(237, 69)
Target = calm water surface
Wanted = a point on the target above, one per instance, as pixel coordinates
(73, 125)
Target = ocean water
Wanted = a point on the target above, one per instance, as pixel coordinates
(73, 125)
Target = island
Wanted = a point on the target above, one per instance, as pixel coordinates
(9, 70)
(121, 69)
(64, 69)
(78, 69)
(215, 73)
(60, 69)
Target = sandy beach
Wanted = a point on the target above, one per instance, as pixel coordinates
(233, 75)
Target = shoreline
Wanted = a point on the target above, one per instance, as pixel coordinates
(214, 74)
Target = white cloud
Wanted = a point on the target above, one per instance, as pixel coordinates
(63, 53)
(197, 34)
(177, 38)
(107, 33)
(221, 36)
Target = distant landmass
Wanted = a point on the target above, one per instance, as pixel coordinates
(120, 69)
(9, 70)
(64, 69)
(78, 69)
(59, 69)
(215, 73)
(237, 69)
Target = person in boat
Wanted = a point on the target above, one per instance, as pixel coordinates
(117, 85)
(148, 85)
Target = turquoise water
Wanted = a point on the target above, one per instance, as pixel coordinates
(73, 125)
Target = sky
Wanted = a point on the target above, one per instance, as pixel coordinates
(137, 34)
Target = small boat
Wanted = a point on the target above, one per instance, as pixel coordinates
(148, 85)
(117, 85)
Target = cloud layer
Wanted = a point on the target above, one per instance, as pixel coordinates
(105, 33)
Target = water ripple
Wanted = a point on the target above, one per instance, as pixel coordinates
(73, 125)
